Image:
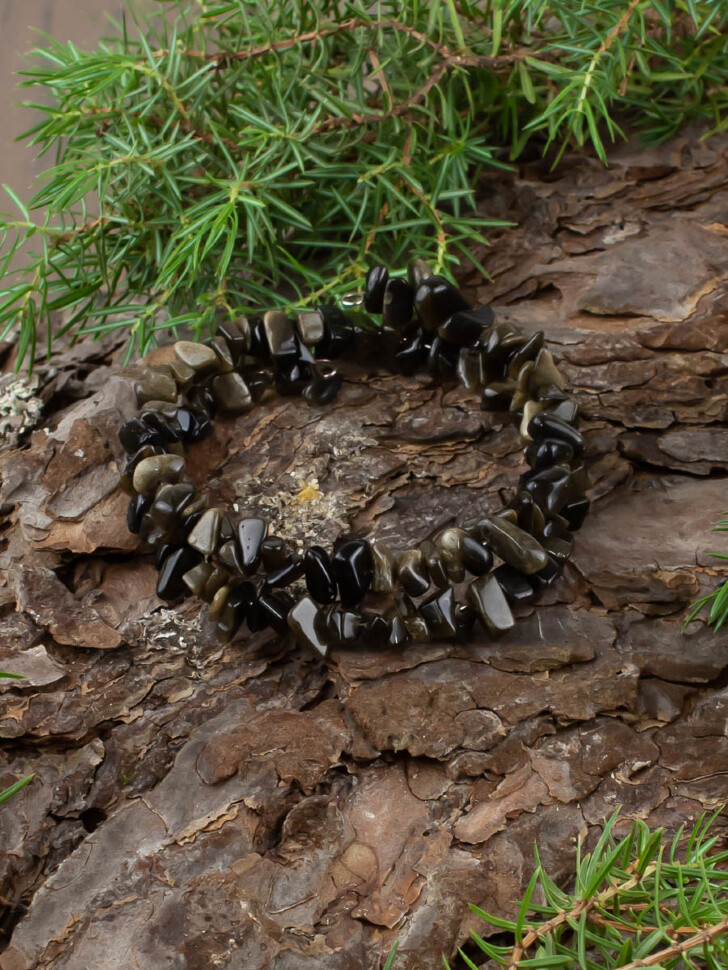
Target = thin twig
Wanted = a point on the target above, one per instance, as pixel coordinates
(583, 905)
(223, 57)
(703, 936)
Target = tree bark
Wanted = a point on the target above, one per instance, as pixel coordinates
(249, 806)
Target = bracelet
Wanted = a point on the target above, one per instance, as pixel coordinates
(244, 573)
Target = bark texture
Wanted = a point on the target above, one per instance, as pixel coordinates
(252, 807)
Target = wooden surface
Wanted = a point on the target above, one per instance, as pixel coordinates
(81, 21)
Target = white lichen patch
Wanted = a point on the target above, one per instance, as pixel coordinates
(20, 409)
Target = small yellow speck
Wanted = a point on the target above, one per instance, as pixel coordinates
(310, 492)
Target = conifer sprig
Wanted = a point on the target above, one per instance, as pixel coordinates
(639, 901)
(239, 154)
(717, 601)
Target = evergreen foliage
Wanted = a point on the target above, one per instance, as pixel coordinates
(718, 599)
(240, 154)
(640, 901)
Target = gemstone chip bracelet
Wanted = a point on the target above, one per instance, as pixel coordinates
(440, 589)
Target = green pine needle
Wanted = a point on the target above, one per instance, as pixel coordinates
(14, 789)
(717, 601)
(239, 154)
(637, 901)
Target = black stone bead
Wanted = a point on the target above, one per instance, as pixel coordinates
(439, 613)
(286, 574)
(236, 334)
(477, 558)
(544, 425)
(325, 385)
(169, 583)
(163, 427)
(193, 425)
(169, 502)
(251, 533)
(242, 598)
(256, 617)
(442, 361)
(352, 565)
(138, 505)
(200, 399)
(575, 513)
(258, 382)
(566, 410)
(276, 607)
(398, 634)
(338, 337)
(517, 587)
(133, 435)
(398, 303)
(465, 617)
(164, 550)
(465, 327)
(412, 572)
(306, 623)
(345, 626)
(496, 397)
(258, 341)
(292, 380)
(413, 351)
(374, 287)
(546, 576)
(273, 552)
(548, 487)
(319, 574)
(190, 521)
(550, 451)
(437, 299)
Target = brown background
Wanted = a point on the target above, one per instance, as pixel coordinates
(82, 21)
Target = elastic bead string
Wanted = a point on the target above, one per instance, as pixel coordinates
(243, 572)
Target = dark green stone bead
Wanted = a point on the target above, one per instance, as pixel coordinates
(169, 503)
(439, 613)
(417, 272)
(434, 563)
(304, 621)
(217, 578)
(310, 325)
(231, 393)
(450, 544)
(156, 384)
(511, 543)
(527, 351)
(195, 578)
(200, 357)
(152, 472)
(549, 487)
(251, 533)
(545, 372)
(205, 535)
(384, 567)
(412, 572)
(487, 597)
(398, 635)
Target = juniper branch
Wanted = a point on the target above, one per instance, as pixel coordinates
(246, 154)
